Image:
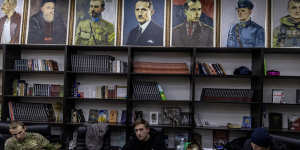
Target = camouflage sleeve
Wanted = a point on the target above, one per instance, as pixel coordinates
(41, 140)
(111, 35)
(77, 34)
(275, 37)
(9, 145)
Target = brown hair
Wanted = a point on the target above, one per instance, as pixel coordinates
(16, 124)
(141, 121)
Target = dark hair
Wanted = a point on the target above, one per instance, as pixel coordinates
(147, 1)
(14, 124)
(141, 121)
(186, 4)
(296, 1)
(102, 3)
(46, 1)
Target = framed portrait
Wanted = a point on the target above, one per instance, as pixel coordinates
(95, 22)
(10, 29)
(171, 116)
(243, 23)
(47, 22)
(192, 23)
(285, 24)
(143, 23)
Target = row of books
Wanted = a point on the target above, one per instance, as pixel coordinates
(31, 111)
(209, 69)
(21, 88)
(158, 67)
(97, 63)
(103, 92)
(103, 115)
(35, 65)
(147, 90)
(217, 94)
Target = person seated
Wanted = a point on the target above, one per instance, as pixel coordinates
(145, 139)
(22, 140)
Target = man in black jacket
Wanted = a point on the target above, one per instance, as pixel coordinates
(145, 139)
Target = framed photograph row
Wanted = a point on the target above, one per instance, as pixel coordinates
(182, 23)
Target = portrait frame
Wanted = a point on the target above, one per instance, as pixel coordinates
(20, 10)
(81, 8)
(227, 21)
(61, 7)
(208, 16)
(279, 9)
(129, 21)
(153, 118)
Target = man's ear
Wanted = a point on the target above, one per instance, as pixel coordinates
(152, 12)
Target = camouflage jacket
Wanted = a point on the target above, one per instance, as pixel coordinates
(95, 33)
(32, 141)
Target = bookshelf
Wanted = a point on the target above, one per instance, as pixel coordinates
(182, 90)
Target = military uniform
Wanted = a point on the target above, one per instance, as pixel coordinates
(246, 34)
(32, 141)
(287, 34)
(95, 33)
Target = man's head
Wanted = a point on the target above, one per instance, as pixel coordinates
(17, 130)
(294, 8)
(143, 11)
(96, 8)
(193, 10)
(48, 8)
(141, 129)
(8, 7)
(244, 9)
(260, 139)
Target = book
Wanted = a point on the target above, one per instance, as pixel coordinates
(246, 122)
(153, 120)
(103, 116)
(93, 115)
(294, 122)
(138, 115)
(113, 115)
(278, 95)
(220, 138)
(275, 120)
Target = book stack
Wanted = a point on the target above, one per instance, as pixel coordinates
(234, 95)
(31, 111)
(209, 69)
(21, 88)
(97, 63)
(145, 90)
(35, 65)
(164, 68)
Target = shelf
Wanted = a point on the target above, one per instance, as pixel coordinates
(227, 102)
(224, 128)
(162, 102)
(162, 49)
(226, 50)
(97, 100)
(186, 127)
(282, 50)
(283, 131)
(98, 48)
(35, 47)
(33, 97)
(282, 104)
(117, 125)
(224, 76)
(98, 73)
(39, 72)
(282, 77)
(161, 74)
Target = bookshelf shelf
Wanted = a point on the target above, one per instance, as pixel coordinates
(39, 72)
(156, 74)
(32, 97)
(225, 76)
(98, 73)
(284, 130)
(282, 104)
(227, 102)
(224, 128)
(282, 77)
(163, 102)
(97, 100)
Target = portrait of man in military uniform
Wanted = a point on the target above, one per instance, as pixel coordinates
(47, 22)
(143, 22)
(196, 26)
(286, 23)
(11, 21)
(95, 22)
(244, 24)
